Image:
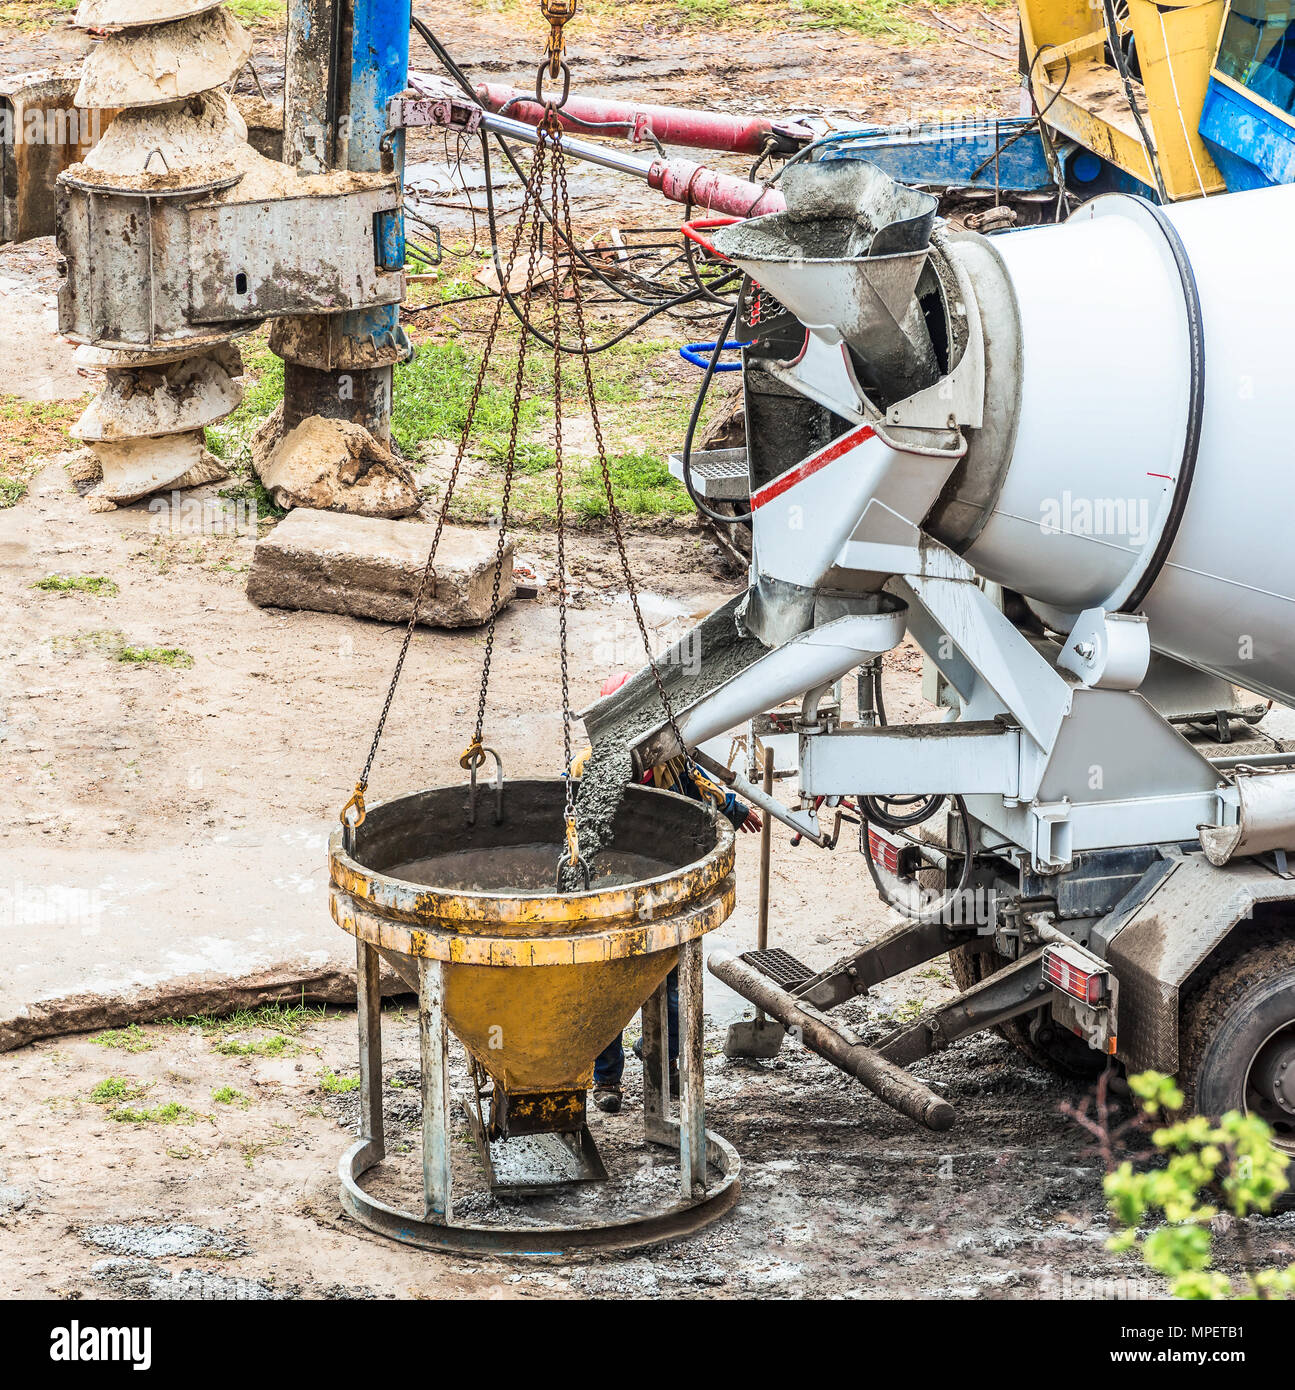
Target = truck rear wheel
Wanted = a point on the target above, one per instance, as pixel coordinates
(1237, 1041)
(1057, 1050)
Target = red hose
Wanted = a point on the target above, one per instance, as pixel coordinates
(693, 229)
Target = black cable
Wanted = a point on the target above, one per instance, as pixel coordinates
(693, 420)
(457, 74)
(656, 306)
(1038, 122)
(690, 252)
(443, 303)
(537, 333)
(576, 251)
(949, 898)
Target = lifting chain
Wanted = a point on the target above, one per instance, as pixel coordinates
(549, 158)
(475, 754)
(562, 225)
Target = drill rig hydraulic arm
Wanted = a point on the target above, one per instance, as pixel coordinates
(661, 125)
(439, 103)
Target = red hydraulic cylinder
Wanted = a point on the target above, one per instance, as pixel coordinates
(708, 190)
(671, 125)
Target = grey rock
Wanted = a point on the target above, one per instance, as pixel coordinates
(369, 567)
(332, 465)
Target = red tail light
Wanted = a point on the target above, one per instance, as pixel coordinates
(1075, 975)
(884, 854)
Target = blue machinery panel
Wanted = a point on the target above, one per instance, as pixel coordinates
(1247, 122)
(379, 71)
(1005, 154)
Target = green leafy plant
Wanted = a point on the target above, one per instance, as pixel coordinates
(1231, 1166)
(334, 1085)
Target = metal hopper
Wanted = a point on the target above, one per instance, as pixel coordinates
(845, 258)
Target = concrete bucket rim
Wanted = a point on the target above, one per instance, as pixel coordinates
(540, 928)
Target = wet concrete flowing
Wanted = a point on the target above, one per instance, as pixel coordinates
(711, 653)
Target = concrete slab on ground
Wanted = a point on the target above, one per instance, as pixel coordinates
(371, 567)
(95, 941)
(134, 936)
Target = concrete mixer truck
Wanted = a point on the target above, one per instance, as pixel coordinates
(1059, 459)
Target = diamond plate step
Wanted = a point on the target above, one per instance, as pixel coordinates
(719, 475)
(781, 967)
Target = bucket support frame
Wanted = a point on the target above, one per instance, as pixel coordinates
(709, 1165)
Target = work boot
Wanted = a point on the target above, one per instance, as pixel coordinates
(608, 1099)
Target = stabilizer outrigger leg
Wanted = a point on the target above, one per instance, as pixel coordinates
(797, 997)
(833, 1041)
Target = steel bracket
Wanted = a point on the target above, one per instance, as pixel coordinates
(1018, 989)
(204, 263)
(433, 106)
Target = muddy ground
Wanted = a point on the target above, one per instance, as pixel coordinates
(197, 1159)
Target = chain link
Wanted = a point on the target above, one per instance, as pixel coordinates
(534, 186)
(552, 131)
(548, 153)
(613, 511)
(353, 812)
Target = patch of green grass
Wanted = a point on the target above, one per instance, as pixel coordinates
(432, 395)
(156, 656)
(277, 1046)
(247, 487)
(132, 1038)
(28, 15)
(263, 391)
(279, 1018)
(105, 640)
(334, 1085)
(171, 1113)
(257, 11)
(885, 19)
(231, 440)
(29, 430)
(435, 407)
(641, 484)
(77, 584)
(117, 1088)
(230, 1095)
(112, 643)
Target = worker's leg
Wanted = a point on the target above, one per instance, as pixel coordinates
(672, 1012)
(609, 1067)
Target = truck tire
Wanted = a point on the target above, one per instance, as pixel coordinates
(1237, 1042)
(1062, 1053)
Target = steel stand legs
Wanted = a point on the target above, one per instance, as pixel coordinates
(435, 1229)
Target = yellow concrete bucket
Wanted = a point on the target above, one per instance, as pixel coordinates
(462, 906)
